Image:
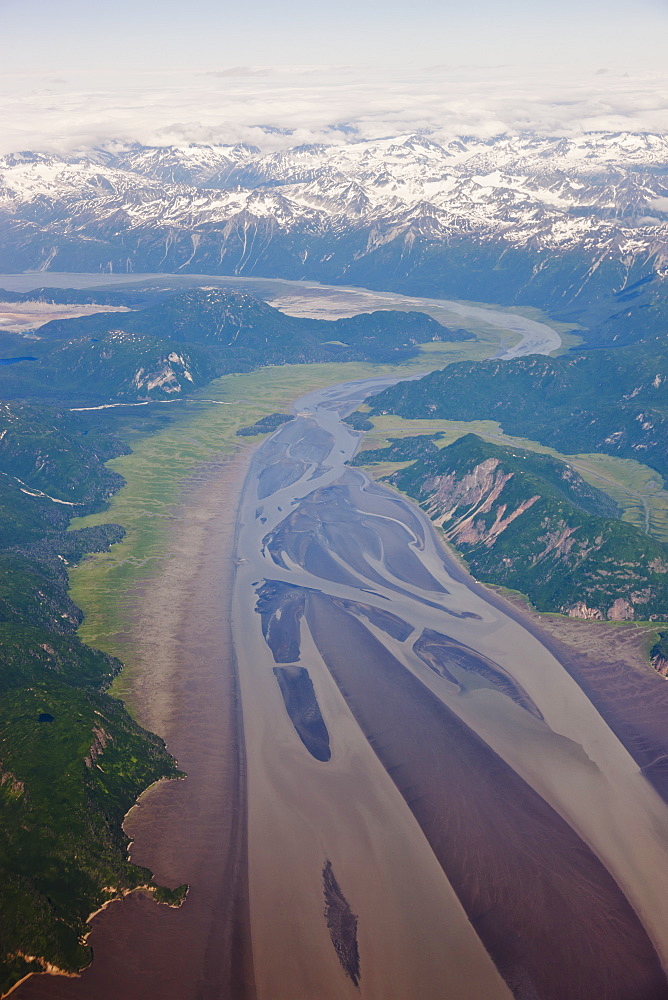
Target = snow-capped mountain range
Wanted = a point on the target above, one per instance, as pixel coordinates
(340, 212)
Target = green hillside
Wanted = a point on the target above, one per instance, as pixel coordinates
(72, 760)
(612, 401)
(169, 348)
(529, 522)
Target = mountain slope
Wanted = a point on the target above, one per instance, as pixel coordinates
(613, 401)
(72, 760)
(179, 344)
(559, 223)
(530, 523)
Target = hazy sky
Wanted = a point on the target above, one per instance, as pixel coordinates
(77, 71)
(159, 34)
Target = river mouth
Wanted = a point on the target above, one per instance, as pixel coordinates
(453, 731)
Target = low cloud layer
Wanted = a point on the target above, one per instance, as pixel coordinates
(275, 107)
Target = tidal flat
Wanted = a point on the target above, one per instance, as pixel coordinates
(166, 465)
(315, 831)
(160, 600)
(525, 789)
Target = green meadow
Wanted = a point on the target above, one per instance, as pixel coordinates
(200, 430)
(195, 431)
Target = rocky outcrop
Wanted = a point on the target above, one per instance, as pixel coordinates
(580, 610)
(660, 664)
(477, 493)
(529, 522)
(621, 611)
(659, 655)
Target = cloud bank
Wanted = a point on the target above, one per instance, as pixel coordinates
(273, 107)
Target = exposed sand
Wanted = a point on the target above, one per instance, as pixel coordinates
(532, 890)
(20, 317)
(609, 661)
(183, 686)
(454, 806)
(414, 937)
(576, 803)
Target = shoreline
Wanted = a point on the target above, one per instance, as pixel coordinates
(182, 684)
(148, 620)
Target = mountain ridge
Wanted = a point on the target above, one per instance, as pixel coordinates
(181, 342)
(546, 221)
(612, 401)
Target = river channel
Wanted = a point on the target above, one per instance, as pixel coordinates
(521, 335)
(435, 807)
(434, 803)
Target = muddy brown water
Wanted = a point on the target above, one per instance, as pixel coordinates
(543, 825)
(532, 889)
(483, 831)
